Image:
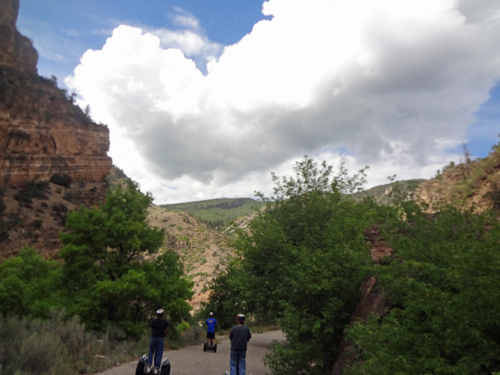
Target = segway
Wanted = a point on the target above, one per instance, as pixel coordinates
(210, 347)
(143, 364)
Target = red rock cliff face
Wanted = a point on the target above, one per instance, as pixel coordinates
(16, 50)
(41, 131)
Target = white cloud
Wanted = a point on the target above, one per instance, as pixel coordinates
(394, 83)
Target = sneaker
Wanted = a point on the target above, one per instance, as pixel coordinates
(148, 370)
(155, 371)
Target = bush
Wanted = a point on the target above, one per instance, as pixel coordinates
(61, 180)
(4, 231)
(183, 326)
(33, 190)
(2, 205)
(61, 211)
(69, 196)
(60, 346)
(444, 288)
(37, 224)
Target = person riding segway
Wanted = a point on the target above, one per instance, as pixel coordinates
(240, 336)
(211, 323)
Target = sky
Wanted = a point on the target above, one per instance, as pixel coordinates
(205, 99)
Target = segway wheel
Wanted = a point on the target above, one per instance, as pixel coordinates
(165, 367)
(141, 365)
(215, 348)
(205, 347)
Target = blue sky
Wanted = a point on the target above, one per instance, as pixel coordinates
(63, 30)
(205, 99)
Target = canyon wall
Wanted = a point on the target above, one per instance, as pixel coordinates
(42, 131)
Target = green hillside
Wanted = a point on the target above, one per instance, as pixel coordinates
(217, 213)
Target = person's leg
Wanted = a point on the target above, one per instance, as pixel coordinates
(242, 363)
(233, 363)
(159, 352)
(152, 348)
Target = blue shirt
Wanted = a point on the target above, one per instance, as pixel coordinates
(211, 322)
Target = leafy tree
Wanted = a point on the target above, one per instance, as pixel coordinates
(105, 275)
(227, 296)
(29, 285)
(444, 286)
(302, 264)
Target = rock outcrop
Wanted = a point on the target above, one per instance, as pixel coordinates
(42, 131)
(473, 185)
(16, 51)
(371, 300)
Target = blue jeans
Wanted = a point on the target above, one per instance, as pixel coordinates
(237, 363)
(156, 348)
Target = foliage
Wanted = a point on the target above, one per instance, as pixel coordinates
(60, 211)
(226, 297)
(29, 285)
(33, 190)
(302, 265)
(104, 276)
(2, 204)
(61, 180)
(59, 345)
(217, 213)
(444, 286)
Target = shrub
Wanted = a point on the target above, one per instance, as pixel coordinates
(69, 196)
(444, 289)
(183, 326)
(33, 190)
(61, 211)
(37, 224)
(4, 231)
(2, 205)
(60, 346)
(61, 180)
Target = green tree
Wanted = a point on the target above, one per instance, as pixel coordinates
(303, 262)
(106, 277)
(444, 286)
(227, 296)
(29, 285)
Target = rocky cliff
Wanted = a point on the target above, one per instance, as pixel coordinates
(42, 132)
(43, 135)
(16, 50)
(472, 185)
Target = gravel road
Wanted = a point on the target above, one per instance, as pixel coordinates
(194, 361)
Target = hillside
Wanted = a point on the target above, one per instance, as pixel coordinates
(35, 214)
(203, 251)
(383, 193)
(473, 185)
(217, 213)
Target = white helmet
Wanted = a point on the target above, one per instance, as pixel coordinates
(211, 314)
(159, 312)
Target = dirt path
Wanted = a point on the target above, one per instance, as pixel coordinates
(193, 361)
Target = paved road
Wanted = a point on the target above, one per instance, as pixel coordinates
(194, 361)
